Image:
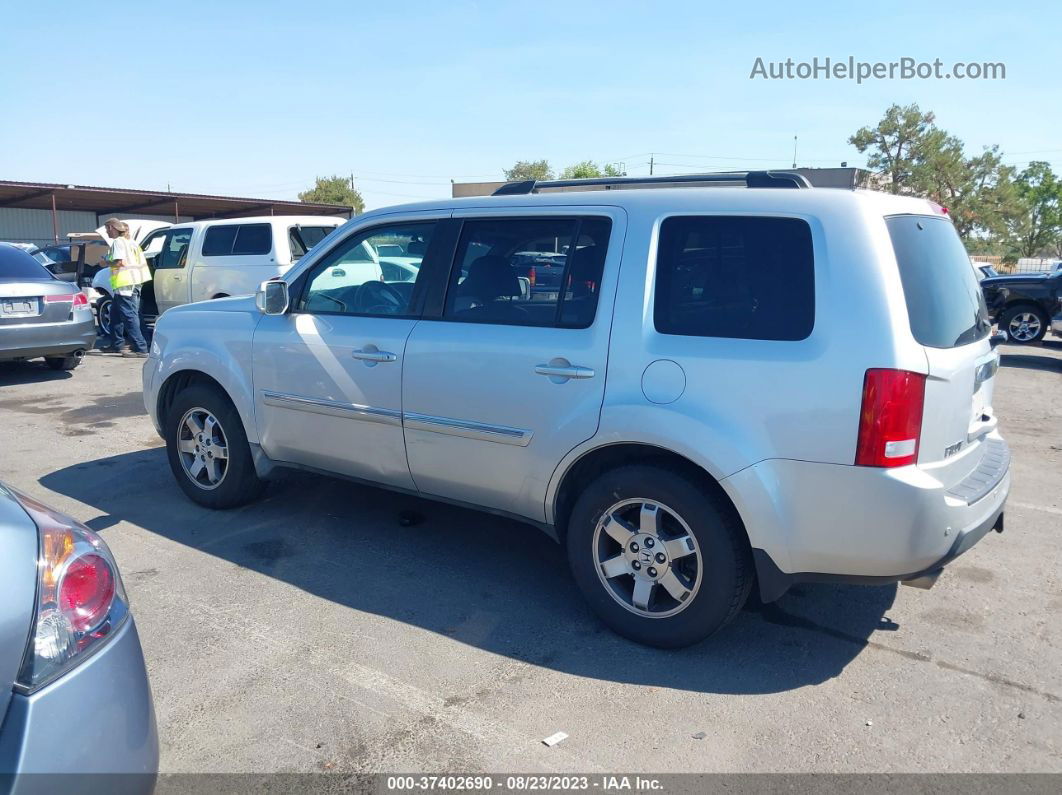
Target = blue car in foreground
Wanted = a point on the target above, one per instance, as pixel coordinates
(74, 693)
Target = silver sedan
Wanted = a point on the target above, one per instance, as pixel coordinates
(74, 694)
(41, 316)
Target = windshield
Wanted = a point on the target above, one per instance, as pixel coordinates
(17, 264)
(945, 305)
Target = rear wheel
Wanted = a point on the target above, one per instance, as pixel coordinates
(208, 450)
(1024, 324)
(661, 561)
(103, 316)
(62, 362)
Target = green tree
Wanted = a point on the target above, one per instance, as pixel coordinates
(1037, 230)
(334, 190)
(894, 144)
(529, 169)
(588, 169)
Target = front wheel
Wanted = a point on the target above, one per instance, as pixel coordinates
(1024, 324)
(660, 560)
(208, 450)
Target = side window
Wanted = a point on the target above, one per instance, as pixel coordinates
(152, 244)
(528, 271)
(737, 277)
(229, 240)
(355, 278)
(174, 249)
(302, 238)
(253, 239)
(218, 240)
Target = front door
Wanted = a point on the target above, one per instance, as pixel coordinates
(328, 374)
(170, 277)
(512, 376)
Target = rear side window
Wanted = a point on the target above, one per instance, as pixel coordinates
(735, 276)
(528, 271)
(238, 239)
(945, 305)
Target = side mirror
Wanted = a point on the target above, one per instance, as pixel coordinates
(997, 338)
(272, 298)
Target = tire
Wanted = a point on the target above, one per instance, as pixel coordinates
(1024, 324)
(103, 316)
(719, 552)
(62, 362)
(236, 482)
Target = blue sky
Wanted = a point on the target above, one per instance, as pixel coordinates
(256, 98)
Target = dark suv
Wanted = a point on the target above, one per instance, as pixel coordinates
(1023, 304)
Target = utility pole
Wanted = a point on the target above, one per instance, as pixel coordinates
(650, 164)
(794, 150)
(352, 180)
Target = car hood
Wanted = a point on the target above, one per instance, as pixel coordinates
(18, 588)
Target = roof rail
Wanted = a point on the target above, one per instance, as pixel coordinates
(750, 179)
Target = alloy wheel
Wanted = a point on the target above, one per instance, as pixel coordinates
(1024, 327)
(647, 558)
(202, 448)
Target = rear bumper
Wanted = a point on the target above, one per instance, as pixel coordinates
(32, 340)
(98, 719)
(812, 522)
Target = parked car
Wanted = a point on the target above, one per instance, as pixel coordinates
(202, 260)
(1024, 304)
(41, 316)
(75, 697)
(763, 384)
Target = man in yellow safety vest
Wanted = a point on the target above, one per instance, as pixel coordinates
(129, 270)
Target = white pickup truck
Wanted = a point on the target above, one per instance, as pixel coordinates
(200, 260)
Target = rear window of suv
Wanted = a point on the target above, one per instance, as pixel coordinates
(735, 276)
(945, 305)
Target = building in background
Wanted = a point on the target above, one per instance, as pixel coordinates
(45, 213)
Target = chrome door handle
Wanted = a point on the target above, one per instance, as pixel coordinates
(569, 371)
(374, 355)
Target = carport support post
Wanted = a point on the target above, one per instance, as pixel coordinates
(55, 221)
(176, 212)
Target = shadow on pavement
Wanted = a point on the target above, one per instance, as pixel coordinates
(492, 583)
(1031, 361)
(33, 372)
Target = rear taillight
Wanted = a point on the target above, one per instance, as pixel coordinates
(80, 599)
(531, 275)
(890, 420)
(80, 300)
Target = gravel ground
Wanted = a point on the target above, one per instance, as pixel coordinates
(312, 631)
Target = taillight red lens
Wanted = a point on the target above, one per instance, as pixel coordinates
(890, 420)
(86, 592)
(80, 299)
(531, 275)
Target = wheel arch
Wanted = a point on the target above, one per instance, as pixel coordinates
(598, 460)
(182, 379)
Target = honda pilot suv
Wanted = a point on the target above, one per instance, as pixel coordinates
(739, 379)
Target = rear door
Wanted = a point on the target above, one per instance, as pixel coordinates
(948, 317)
(503, 382)
(171, 272)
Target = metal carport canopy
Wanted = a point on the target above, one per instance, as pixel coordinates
(104, 201)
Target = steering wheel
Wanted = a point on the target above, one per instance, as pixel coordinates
(380, 298)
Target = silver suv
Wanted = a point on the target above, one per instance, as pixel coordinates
(740, 380)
